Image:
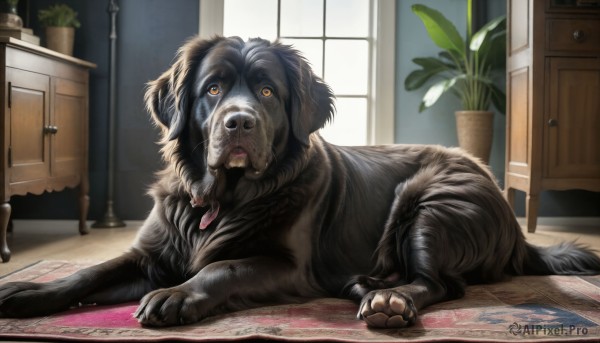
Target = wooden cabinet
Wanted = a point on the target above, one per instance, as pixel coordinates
(553, 95)
(44, 125)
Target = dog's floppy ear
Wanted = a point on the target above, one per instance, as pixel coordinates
(311, 101)
(167, 98)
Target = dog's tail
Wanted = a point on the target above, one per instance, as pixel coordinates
(562, 259)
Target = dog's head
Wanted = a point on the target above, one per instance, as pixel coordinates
(229, 106)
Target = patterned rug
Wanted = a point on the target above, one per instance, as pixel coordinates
(531, 308)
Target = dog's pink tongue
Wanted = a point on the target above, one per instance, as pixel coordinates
(209, 216)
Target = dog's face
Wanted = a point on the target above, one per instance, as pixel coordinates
(239, 102)
(233, 105)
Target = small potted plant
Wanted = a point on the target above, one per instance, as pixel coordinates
(60, 22)
(467, 68)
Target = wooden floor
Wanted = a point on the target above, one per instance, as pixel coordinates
(32, 241)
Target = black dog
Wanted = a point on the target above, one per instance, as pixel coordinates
(254, 208)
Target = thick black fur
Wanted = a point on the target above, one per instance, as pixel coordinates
(253, 207)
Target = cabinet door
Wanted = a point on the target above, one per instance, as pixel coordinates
(69, 115)
(573, 118)
(28, 106)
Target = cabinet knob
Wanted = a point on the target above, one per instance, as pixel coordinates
(552, 122)
(51, 129)
(578, 35)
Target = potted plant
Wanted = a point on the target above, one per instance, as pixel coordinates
(466, 68)
(60, 21)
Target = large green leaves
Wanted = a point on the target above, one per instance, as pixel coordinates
(467, 72)
(488, 91)
(442, 32)
(436, 91)
(431, 66)
(483, 36)
(489, 43)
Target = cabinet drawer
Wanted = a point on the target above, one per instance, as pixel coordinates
(575, 35)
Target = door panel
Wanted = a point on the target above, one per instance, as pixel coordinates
(29, 114)
(68, 144)
(573, 119)
(518, 123)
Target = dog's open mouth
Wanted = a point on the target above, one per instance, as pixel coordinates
(237, 158)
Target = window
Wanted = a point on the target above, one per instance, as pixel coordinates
(349, 43)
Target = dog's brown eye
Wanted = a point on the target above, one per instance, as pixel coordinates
(266, 92)
(214, 90)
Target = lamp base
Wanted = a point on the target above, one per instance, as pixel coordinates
(110, 220)
(10, 21)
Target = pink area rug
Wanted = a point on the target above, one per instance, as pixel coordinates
(531, 308)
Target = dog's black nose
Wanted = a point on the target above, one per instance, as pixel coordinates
(239, 121)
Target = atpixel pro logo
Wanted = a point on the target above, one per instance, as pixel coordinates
(546, 330)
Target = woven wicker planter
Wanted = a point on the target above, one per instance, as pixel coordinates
(60, 39)
(475, 132)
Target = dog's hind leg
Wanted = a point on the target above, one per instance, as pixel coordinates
(437, 233)
(392, 297)
(407, 276)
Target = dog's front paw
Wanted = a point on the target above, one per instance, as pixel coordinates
(387, 309)
(22, 299)
(171, 306)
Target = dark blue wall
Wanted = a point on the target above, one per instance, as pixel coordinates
(149, 33)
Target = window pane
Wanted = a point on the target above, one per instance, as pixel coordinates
(302, 18)
(250, 18)
(312, 50)
(347, 66)
(347, 18)
(349, 126)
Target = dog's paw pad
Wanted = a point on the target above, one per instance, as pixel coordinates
(170, 306)
(387, 309)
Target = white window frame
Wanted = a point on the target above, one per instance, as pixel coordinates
(381, 121)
